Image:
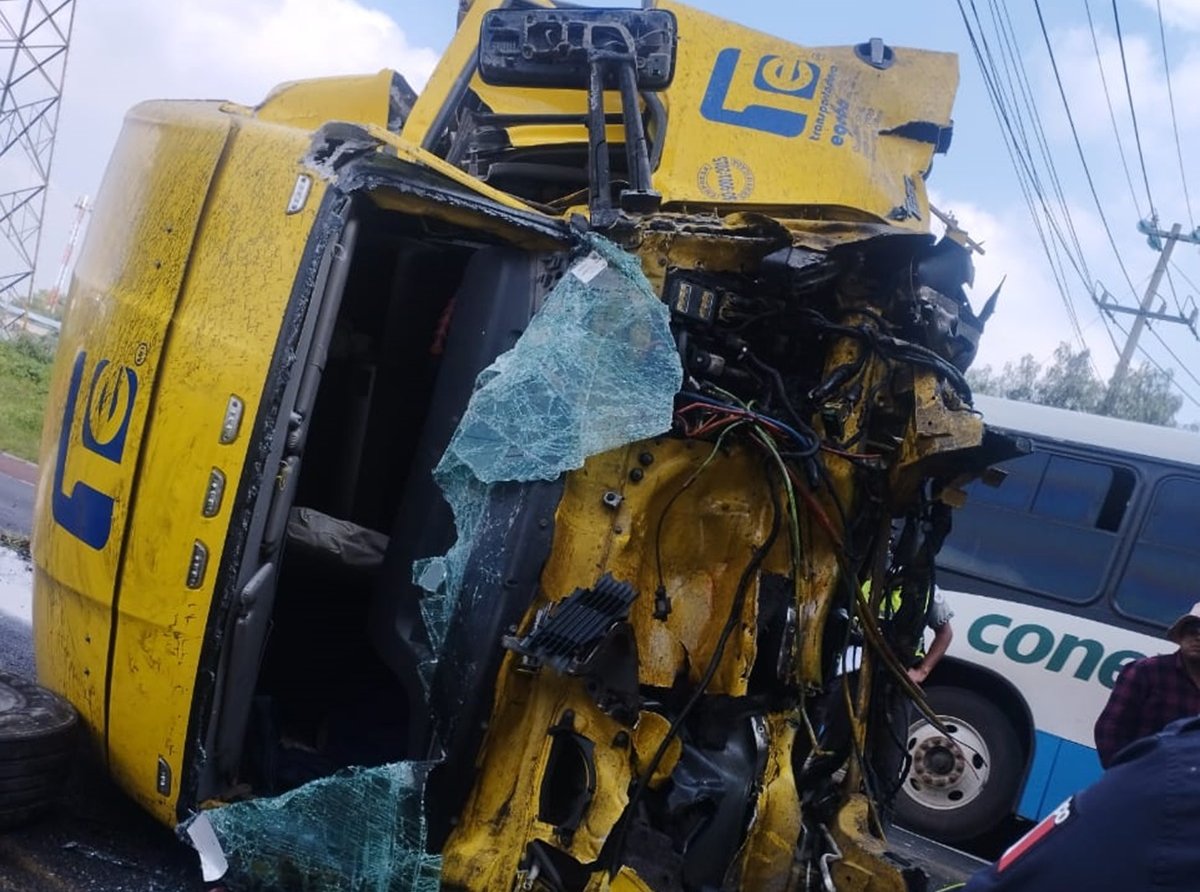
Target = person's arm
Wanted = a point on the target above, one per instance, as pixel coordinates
(937, 617)
(1116, 724)
(942, 636)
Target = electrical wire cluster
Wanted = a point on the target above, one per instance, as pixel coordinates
(792, 462)
(994, 40)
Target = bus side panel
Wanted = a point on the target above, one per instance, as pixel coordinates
(226, 326)
(1059, 769)
(1063, 665)
(122, 299)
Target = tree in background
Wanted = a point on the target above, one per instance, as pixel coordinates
(1070, 383)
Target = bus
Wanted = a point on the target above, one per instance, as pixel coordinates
(1072, 567)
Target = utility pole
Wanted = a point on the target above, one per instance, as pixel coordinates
(60, 284)
(1165, 242)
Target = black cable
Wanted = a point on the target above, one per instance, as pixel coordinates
(1008, 51)
(1137, 135)
(1178, 362)
(781, 391)
(895, 348)
(1112, 115)
(1154, 362)
(735, 614)
(1028, 177)
(1185, 276)
(915, 354)
(1030, 185)
(1105, 317)
(1079, 148)
(1174, 291)
(1162, 34)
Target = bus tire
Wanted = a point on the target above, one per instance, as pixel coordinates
(37, 737)
(960, 788)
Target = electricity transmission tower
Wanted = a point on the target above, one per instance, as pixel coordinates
(34, 38)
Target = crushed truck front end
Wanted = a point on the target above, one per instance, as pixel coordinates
(530, 440)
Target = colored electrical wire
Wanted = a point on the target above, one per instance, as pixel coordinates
(809, 442)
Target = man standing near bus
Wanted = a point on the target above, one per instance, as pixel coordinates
(1152, 692)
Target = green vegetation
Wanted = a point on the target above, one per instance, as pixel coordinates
(1070, 382)
(24, 382)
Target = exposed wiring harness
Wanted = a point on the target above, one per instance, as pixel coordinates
(736, 608)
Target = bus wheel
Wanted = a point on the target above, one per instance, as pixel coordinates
(960, 786)
(37, 741)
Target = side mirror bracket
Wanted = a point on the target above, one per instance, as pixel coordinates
(629, 50)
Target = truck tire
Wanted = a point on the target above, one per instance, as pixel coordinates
(37, 744)
(959, 788)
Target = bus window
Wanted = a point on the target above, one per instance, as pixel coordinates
(1073, 491)
(1052, 537)
(1159, 582)
(1021, 482)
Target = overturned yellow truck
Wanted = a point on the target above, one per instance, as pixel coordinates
(481, 488)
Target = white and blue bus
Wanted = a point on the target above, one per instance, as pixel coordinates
(1071, 568)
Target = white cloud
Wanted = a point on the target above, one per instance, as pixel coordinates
(125, 51)
(1178, 13)
(1076, 57)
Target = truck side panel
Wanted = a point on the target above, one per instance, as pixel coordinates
(123, 299)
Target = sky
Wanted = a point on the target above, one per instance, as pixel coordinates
(124, 51)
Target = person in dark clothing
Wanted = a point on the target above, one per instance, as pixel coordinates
(1134, 830)
(1151, 692)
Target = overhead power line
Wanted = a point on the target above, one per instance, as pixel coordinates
(1009, 92)
(1175, 266)
(1079, 148)
(1011, 51)
(1179, 362)
(1132, 110)
(1156, 364)
(1112, 115)
(1012, 98)
(1162, 35)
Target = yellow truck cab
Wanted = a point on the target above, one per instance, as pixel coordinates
(652, 299)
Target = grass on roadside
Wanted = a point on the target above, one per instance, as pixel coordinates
(25, 365)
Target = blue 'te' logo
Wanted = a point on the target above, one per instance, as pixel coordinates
(87, 513)
(773, 75)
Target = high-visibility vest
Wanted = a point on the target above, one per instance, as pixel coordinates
(895, 617)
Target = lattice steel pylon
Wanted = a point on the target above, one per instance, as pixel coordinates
(35, 36)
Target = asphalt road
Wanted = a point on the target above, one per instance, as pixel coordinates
(17, 479)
